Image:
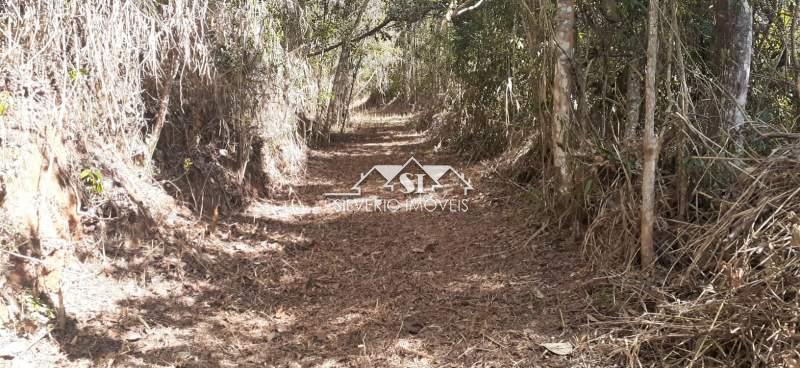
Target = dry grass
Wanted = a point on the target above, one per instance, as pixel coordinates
(79, 67)
(93, 74)
(86, 82)
(726, 293)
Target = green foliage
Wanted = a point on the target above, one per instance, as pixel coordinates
(93, 179)
(36, 305)
(491, 62)
(5, 102)
(325, 96)
(488, 49)
(76, 74)
(411, 10)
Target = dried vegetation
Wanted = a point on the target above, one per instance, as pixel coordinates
(120, 112)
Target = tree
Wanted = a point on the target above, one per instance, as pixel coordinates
(562, 90)
(633, 97)
(650, 142)
(343, 77)
(734, 30)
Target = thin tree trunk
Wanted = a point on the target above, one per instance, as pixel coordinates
(682, 176)
(633, 99)
(291, 17)
(339, 90)
(793, 64)
(336, 106)
(562, 90)
(735, 47)
(351, 86)
(650, 143)
(245, 149)
(163, 109)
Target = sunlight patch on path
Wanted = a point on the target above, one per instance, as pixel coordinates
(291, 212)
(88, 292)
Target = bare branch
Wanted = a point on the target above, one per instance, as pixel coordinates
(364, 35)
(463, 9)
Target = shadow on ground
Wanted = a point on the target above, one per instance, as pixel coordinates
(295, 283)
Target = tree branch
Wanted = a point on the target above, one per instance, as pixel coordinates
(364, 35)
(463, 8)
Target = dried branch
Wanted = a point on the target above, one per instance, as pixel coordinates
(362, 36)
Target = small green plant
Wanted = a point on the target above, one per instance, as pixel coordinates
(75, 74)
(93, 179)
(38, 306)
(187, 164)
(5, 102)
(326, 96)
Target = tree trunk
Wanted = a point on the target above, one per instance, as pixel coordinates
(245, 150)
(633, 97)
(682, 176)
(353, 78)
(734, 29)
(292, 15)
(163, 109)
(650, 143)
(793, 63)
(337, 106)
(562, 90)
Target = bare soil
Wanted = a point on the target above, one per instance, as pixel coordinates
(291, 282)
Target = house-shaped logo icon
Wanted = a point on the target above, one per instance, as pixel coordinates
(410, 177)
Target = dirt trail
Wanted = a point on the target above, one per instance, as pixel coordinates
(291, 282)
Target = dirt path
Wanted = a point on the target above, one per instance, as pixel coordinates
(292, 282)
